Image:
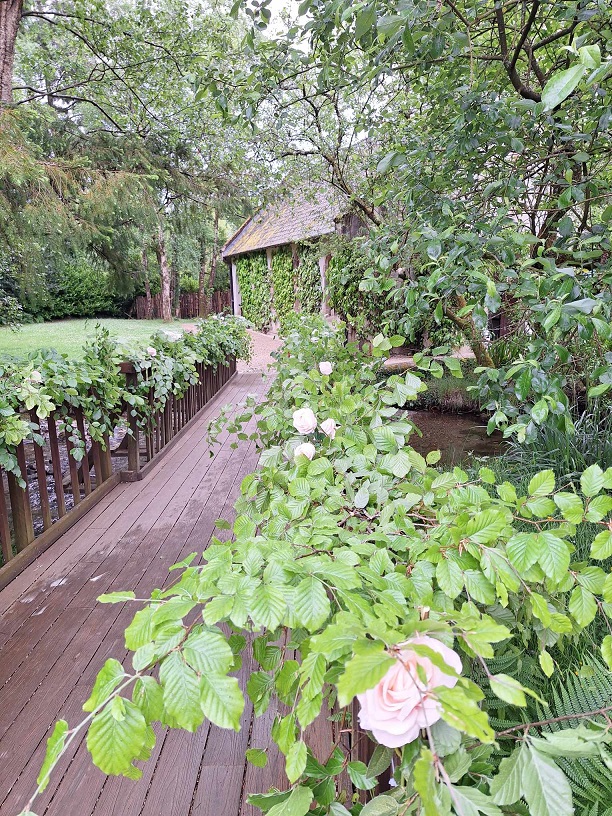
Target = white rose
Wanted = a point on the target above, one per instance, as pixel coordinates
(329, 428)
(304, 420)
(151, 351)
(36, 376)
(326, 368)
(306, 449)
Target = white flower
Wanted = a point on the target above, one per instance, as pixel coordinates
(306, 449)
(304, 420)
(151, 351)
(329, 427)
(326, 368)
(36, 376)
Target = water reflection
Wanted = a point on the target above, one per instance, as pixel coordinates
(458, 437)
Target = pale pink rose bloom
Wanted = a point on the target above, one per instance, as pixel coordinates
(326, 368)
(304, 420)
(151, 351)
(329, 428)
(306, 449)
(36, 376)
(401, 704)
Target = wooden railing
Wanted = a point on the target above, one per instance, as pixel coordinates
(188, 306)
(59, 489)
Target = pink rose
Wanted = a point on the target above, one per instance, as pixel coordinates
(151, 351)
(304, 420)
(329, 428)
(401, 704)
(326, 368)
(36, 376)
(306, 449)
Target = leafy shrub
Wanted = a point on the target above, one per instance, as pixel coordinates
(345, 273)
(189, 283)
(374, 567)
(47, 381)
(11, 313)
(80, 289)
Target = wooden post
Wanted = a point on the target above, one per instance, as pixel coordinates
(57, 466)
(105, 459)
(41, 475)
(85, 460)
(6, 543)
(72, 464)
(20, 503)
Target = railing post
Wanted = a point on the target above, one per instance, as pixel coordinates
(20, 503)
(133, 439)
(6, 544)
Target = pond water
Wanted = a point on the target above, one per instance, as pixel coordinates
(458, 437)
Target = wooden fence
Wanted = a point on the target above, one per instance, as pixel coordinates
(189, 305)
(59, 490)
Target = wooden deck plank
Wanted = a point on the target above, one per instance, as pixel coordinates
(86, 567)
(141, 556)
(136, 568)
(107, 512)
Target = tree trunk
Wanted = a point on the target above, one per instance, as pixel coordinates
(466, 325)
(202, 289)
(164, 273)
(10, 16)
(147, 282)
(206, 287)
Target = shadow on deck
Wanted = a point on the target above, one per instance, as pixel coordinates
(54, 638)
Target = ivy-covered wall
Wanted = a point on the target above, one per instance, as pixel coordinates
(254, 284)
(283, 285)
(308, 279)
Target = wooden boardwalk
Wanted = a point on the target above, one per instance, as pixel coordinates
(54, 637)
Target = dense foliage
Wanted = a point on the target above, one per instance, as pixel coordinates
(47, 381)
(308, 279)
(254, 285)
(376, 568)
(283, 287)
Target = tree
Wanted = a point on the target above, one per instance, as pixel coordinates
(488, 128)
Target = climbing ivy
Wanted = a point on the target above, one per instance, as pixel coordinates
(282, 282)
(346, 270)
(253, 280)
(308, 279)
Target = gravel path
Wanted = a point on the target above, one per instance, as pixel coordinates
(263, 345)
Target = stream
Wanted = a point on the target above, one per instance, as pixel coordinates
(458, 437)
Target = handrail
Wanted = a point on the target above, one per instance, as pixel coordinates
(57, 490)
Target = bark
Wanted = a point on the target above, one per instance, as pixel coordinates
(206, 287)
(147, 283)
(164, 273)
(202, 288)
(10, 16)
(466, 325)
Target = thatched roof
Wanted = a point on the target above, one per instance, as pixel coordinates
(292, 220)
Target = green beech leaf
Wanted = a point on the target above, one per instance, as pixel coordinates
(542, 484)
(55, 746)
(311, 603)
(545, 786)
(297, 804)
(606, 650)
(362, 672)
(508, 689)
(506, 786)
(582, 606)
(592, 480)
(109, 677)
(181, 690)
(116, 737)
(601, 547)
(222, 701)
(116, 597)
(296, 760)
(257, 757)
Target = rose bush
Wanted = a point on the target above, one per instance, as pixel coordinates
(350, 574)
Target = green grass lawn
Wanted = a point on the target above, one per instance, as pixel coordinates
(68, 336)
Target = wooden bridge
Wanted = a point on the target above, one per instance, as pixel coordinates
(54, 637)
